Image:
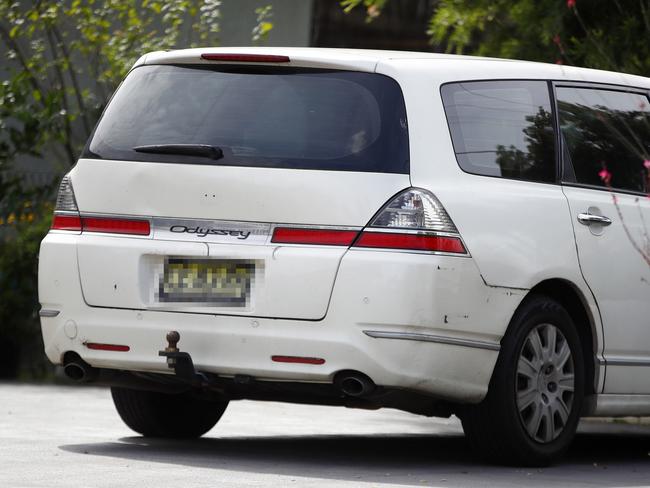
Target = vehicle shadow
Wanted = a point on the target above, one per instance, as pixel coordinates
(602, 455)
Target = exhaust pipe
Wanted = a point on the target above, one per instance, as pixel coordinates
(354, 383)
(79, 370)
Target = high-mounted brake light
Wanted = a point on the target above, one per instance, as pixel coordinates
(246, 58)
(414, 220)
(323, 237)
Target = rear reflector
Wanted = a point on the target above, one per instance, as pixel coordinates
(116, 226)
(107, 347)
(66, 222)
(325, 237)
(246, 58)
(297, 359)
(411, 241)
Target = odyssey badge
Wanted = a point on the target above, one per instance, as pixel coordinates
(206, 231)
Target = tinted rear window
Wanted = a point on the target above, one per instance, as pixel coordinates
(281, 118)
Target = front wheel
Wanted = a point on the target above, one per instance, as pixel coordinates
(532, 408)
(177, 416)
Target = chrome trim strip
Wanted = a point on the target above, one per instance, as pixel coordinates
(398, 230)
(616, 405)
(454, 341)
(48, 313)
(614, 361)
(408, 251)
(317, 226)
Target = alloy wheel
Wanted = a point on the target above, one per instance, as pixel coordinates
(545, 384)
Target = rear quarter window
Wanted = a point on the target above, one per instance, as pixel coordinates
(264, 117)
(502, 128)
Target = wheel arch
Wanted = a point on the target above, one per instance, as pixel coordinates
(573, 300)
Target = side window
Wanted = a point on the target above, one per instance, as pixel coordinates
(606, 130)
(502, 128)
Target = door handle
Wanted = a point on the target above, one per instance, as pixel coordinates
(589, 219)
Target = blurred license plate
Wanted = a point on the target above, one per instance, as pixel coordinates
(223, 282)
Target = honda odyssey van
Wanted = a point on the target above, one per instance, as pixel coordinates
(433, 233)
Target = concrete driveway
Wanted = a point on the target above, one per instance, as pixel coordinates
(53, 436)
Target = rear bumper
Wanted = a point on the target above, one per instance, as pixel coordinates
(420, 322)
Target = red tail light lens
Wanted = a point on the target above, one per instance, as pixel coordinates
(138, 227)
(246, 58)
(66, 222)
(107, 347)
(411, 241)
(297, 359)
(116, 226)
(324, 237)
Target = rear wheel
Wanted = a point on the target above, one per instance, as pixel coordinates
(155, 414)
(532, 408)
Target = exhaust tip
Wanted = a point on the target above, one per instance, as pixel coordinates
(74, 371)
(354, 383)
(77, 369)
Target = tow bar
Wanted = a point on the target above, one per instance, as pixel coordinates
(181, 362)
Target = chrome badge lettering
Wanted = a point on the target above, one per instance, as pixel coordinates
(206, 231)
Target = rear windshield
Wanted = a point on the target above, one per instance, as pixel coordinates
(264, 117)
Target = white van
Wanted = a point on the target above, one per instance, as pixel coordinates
(438, 234)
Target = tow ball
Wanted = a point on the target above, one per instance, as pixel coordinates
(181, 362)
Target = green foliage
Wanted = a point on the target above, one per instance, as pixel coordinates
(21, 230)
(601, 34)
(264, 24)
(373, 7)
(64, 59)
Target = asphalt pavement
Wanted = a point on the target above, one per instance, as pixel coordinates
(60, 436)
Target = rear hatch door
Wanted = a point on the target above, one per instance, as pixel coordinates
(218, 157)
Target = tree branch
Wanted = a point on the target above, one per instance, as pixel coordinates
(67, 143)
(73, 78)
(13, 45)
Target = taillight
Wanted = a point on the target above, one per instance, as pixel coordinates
(139, 227)
(414, 220)
(66, 213)
(66, 217)
(322, 237)
(416, 242)
(65, 199)
(66, 222)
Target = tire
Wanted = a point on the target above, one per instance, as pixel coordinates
(529, 416)
(177, 416)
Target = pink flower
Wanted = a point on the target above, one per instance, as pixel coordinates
(571, 3)
(556, 39)
(646, 163)
(605, 175)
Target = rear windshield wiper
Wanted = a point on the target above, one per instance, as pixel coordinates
(202, 150)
